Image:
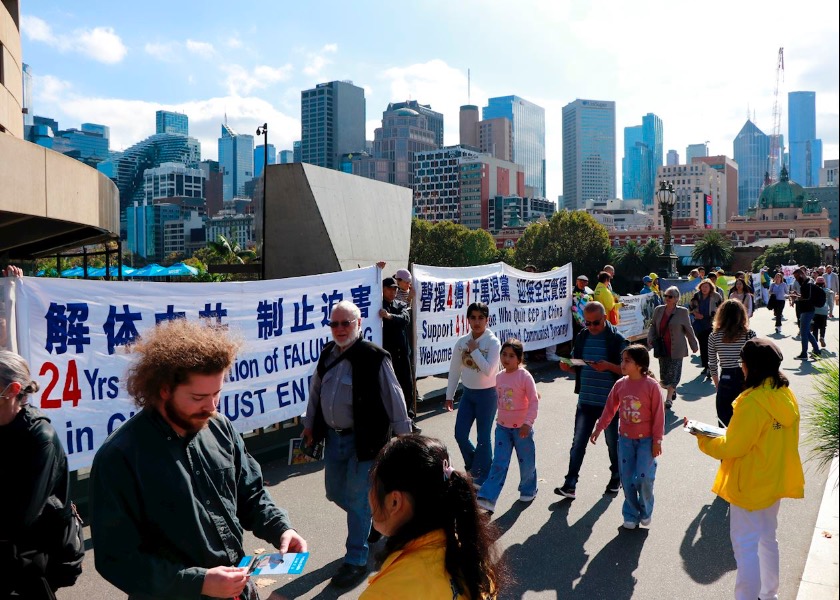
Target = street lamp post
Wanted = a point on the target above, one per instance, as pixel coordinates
(263, 131)
(667, 198)
(791, 238)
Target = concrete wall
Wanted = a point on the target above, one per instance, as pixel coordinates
(321, 221)
(11, 87)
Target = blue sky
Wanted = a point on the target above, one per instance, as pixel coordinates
(702, 67)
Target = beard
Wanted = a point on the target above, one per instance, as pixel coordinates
(351, 339)
(190, 423)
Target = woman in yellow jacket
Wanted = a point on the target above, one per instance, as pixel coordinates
(603, 293)
(760, 464)
(419, 502)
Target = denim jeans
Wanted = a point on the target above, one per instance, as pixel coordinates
(805, 332)
(479, 407)
(346, 480)
(586, 416)
(507, 439)
(638, 472)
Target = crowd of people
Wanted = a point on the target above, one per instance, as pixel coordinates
(174, 488)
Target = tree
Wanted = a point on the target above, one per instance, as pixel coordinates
(801, 252)
(630, 262)
(228, 252)
(651, 253)
(713, 250)
(448, 244)
(570, 236)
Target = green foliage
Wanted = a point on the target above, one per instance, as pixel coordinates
(447, 244)
(651, 253)
(570, 236)
(713, 250)
(630, 267)
(228, 252)
(802, 252)
(822, 423)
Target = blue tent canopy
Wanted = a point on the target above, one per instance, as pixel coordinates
(76, 271)
(180, 269)
(152, 270)
(114, 271)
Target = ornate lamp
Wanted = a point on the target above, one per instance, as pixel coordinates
(263, 131)
(667, 199)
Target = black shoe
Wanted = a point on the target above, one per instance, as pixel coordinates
(613, 486)
(414, 428)
(349, 575)
(668, 404)
(566, 491)
(374, 536)
(801, 357)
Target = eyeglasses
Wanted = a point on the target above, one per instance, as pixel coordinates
(345, 324)
(593, 323)
(671, 296)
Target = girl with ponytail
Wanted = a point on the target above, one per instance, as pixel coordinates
(439, 544)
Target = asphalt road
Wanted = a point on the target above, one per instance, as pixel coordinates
(573, 549)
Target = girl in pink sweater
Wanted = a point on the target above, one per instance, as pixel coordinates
(641, 427)
(517, 411)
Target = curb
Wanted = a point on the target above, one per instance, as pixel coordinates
(820, 579)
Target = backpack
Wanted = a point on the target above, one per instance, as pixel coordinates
(60, 535)
(817, 296)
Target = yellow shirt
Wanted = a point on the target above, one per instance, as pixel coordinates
(416, 572)
(760, 452)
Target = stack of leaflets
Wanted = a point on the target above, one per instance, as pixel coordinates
(698, 428)
(275, 564)
(573, 362)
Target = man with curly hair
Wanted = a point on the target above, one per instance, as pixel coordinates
(173, 489)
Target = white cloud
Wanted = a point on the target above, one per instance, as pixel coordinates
(241, 81)
(203, 49)
(101, 44)
(234, 42)
(165, 51)
(316, 61)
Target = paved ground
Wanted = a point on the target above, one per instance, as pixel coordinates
(574, 549)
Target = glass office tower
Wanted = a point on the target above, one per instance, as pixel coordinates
(589, 161)
(805, 148)
(528, 123)
(236, 161)
(171, 122)
(751, 150)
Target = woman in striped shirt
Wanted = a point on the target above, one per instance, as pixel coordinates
(731, 332)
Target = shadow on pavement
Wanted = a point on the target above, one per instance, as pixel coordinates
(540, 570)
(507, 520)
(706, 550)
(305, 583)
(610, 573)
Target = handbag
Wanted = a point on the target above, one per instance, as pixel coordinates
(772, 302)
(660, 349)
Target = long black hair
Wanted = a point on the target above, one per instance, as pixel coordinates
(415, 465)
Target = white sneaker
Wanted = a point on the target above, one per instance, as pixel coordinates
(485, 504)
(778, 330)
(552, 357)
(630, 525)
(526, 498)
(646, 522)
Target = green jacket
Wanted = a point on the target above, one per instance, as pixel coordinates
(164, 509)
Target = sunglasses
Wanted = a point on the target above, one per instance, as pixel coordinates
(345, 324)
(592, 323)
(671, 296)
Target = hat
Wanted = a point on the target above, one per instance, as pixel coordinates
(583, 278)
(653, 276)
(717, 269)
(761, 351)
(389, 282)
(403, 274)
(647, 279)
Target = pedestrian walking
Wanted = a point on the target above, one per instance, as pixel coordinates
(807, 299)
(517, 410)
(600, 346)
(641, 427)
(759, 466)
(703, 306)
(439, 545)
(173, 489)
(670, 336)
(475, 363)
(741, 292)
(731, 332)
(821, 312)
(778, 290)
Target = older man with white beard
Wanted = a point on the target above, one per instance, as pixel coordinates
(355, 404)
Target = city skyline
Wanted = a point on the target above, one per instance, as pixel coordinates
(115, 65)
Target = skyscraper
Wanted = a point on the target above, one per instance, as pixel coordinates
(332, 119)
(588, 152)
(434, 119)
(643, 153)
(528, 124)
(751, 150)
(259, 158)
(236, 162)
(695, 150)
(673, 158)
(805, 148)
(171, 122)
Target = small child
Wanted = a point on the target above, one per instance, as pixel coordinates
(641, 428)
(517, 404)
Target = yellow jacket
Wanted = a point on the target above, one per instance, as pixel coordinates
(760, 451)
(605, 296)
(416, 572)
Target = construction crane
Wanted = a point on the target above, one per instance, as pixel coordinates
(776, 150)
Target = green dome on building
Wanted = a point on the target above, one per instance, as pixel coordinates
(787, 194)
(406, 112)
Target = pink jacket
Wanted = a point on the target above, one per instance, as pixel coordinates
(517, 396)
(641, 411)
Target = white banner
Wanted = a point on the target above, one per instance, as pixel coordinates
(75, 336)
(636, 314)
(535, 308)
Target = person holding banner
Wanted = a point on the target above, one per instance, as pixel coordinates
(173, 489)
(475, 363)
(670, 335)
(396, 333)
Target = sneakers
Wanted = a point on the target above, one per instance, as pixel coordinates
(349, 575)
(566, 491)
(705, 373)
(613, 486)
(778, 331)
(485, 504)
(415, 429)
(527, 497)
(668, 404)
(646, 522)
(801, 357)
(552, 357)
(630, 525)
